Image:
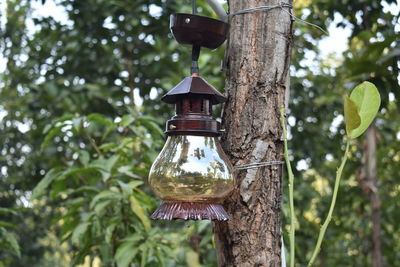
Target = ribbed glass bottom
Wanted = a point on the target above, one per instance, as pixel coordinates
(190, 211)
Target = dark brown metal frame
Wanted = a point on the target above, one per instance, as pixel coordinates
(193, 98)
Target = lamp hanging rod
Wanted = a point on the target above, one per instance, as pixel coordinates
(218, 9)
(194, 7)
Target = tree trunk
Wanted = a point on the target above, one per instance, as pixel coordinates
(372, 177)
(368, 179)
(259, 47)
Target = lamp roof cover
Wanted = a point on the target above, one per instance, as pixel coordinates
(196, 86)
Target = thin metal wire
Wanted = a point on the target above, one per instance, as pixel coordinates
(260, 8)
(258, 165)
(305, 22)
(281, 5)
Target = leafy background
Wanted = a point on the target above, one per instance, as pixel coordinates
(82, 121)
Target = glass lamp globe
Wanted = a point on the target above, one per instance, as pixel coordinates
(192, 169)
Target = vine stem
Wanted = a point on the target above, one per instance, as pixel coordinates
(332, 206)
(291, 184)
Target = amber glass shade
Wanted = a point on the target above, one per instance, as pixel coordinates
(192, 169)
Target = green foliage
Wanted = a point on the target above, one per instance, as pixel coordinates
(105, 211)
(358, 117)
(316, 127)
(8, 240)
(105, 206)
(361, 108)
(86, 145)
(70, 128)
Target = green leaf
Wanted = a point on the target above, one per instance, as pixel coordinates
(108, 146)
(6, 224)
(9, 238)
(192, 258)
(77, 124)
(109, 232)
(104, 195)
(160, 258)
(100, 119)
(133, 238)
(84, 157)
(127, 171)
(125, 254)
(367, 99)
(139, 211)
(80, 170)
(86, 188)
(52, 133)
(151, 125)
(78, 233)
(125, 188)
(392, 54)
(100, 206)
(64, 118)
(351, 115)
(6, 210)
(134, 184)
(145, 250)
(105, 165)
(126, 120)
(109, 164)
(45, 182)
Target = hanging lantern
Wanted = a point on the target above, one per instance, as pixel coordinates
(192, 174)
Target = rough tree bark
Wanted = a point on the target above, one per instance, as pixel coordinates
(369, 183)
(368, 179)
(372, 175)
(259, 48)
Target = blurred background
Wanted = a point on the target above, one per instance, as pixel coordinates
(81, 122)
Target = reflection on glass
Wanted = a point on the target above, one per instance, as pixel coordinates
(192, 168)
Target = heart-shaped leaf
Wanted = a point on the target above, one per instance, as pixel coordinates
(351, 116)
(367, 100)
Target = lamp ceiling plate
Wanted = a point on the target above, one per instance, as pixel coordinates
(198, 30)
